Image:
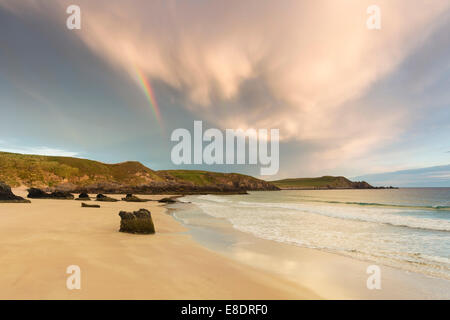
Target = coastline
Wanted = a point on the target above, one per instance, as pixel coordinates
(41, 239)
(206, 260)
(329, 274)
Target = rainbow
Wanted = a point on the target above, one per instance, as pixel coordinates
(145, 85)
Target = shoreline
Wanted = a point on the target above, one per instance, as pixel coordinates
(330, 274)
(207, 260)
(41, 239)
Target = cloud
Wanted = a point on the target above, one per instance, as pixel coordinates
(299, 66)
(443, 175)
(437, 176)
(45, 151)
(308, 57)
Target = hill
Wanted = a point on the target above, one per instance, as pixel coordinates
(325, 182)
(77, 175)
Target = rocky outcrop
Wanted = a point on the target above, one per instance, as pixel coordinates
(7, 196)
(167, 188)
(101, 197)
(35, 193)
(62, 195)
(163, 188)
(168, 200)
(131, 198)
(84, 197)
(137, 222)
(85, 205)
(361, 185)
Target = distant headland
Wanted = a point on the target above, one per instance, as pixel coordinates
(323, 183)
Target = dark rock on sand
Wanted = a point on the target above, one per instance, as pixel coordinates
(101, 197)
(131, 198)
(168, 200)
(84, 196)
(62, 195)
(85, 205)
(137, 222)
(6, 195)
(35, 193)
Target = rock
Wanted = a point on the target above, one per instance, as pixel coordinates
(84, 196)
(85, 205)
(131, 198)
(167, 200)
(221, 184)
(6, 195)
(361, 185)
(61, 195)
(35, 193)
(136, 222)
(101, 197)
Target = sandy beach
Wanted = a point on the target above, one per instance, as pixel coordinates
(38, 241)
(305, 143)
(207, 260)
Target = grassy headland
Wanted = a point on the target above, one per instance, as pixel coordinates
(325, 182)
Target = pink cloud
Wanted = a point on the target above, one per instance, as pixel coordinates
(313, 58)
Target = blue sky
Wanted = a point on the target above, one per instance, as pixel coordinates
(348, 101)
(431, 177)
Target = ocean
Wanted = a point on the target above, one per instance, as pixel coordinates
(402, 228)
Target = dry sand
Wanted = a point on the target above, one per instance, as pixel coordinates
(38, 241)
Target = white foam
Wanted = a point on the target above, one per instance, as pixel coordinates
(369, 233)
(376, 215)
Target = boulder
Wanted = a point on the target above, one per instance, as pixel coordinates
(136, 222)
(101, 197)
(85, 205)
(84, 196)
(35, 193)
(6, 195)
(168, 200)
(61, 195)
(131, 198)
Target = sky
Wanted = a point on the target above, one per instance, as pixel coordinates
(346, 100)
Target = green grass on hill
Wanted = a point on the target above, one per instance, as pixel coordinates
(51, 171)
(320, 182)
(197, 177)
(203, 178)
(35, 170)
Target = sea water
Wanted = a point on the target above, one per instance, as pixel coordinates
(403, 228)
